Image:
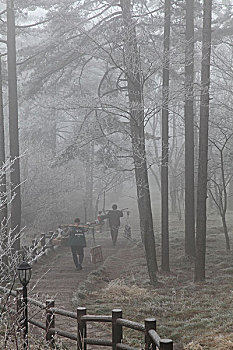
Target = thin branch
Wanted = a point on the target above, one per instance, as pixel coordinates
(33, 24)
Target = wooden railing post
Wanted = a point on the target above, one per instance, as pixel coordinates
(50, 321)
(166, 344)
(150, 323)
(81, 329)
(42, 241)
(117, 333)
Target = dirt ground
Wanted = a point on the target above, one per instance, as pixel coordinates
(196, 314)
(55, 276)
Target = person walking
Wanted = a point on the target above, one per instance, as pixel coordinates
(113, 217)
(77, 242)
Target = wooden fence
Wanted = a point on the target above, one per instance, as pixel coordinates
(47, 242)
(38, 247)
(151, 338)
(152, 341)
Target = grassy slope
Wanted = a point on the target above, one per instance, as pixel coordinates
(184, 311)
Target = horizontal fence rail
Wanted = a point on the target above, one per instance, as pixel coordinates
(154, 337)
(97, 318)
(151, 338)
(130, 324)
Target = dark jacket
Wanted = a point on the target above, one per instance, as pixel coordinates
(76, 236)
(114, 217)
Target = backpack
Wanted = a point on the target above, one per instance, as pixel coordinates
(77, 237)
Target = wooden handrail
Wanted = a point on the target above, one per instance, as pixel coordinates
(131, 324)
(154, 337)
(37, 323)
(41, 305)
(96, 318)
(163, 344)
(36, 303)
(7, 290)
(63, 333)
(63, 312)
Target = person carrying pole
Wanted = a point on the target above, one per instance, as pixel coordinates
(113, 217)
(77, 242)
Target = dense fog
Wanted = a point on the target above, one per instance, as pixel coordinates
(117, 102)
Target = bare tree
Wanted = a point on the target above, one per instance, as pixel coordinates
(13, 124)
(189, 132)
(135, 93)
(199, 271)
(165, 146)
(220, 176)
(3, 212)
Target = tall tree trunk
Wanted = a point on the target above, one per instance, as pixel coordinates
(52, 127)
(165, 146)
(199, 271)
(3, 188)
(173, 193)
(13, 124)
(189, 132)
(97, 205)
(104, 201)
(3, 211)
(225, 229)
(135, 92)
(224, 201)
(89, 182)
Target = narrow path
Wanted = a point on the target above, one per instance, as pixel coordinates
(55, 276)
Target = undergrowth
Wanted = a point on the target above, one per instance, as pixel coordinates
(198, 316)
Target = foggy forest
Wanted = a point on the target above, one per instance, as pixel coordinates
(116, 125)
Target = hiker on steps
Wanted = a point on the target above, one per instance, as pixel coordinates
(113, 217)
(77, 242)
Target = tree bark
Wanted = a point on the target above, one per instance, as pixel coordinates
(227, 239)
(135, 93)
(165, 145)
(224, 204)
(189, 132)
(13, 125)
(230, 195)
(199, 271)
(3, 211)
(3, 187)
(89, 182)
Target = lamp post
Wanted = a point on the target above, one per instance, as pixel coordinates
(24, 274)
